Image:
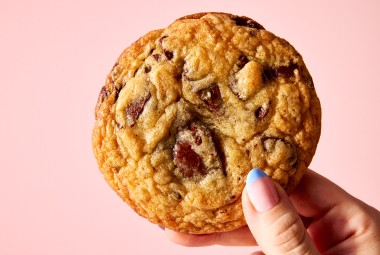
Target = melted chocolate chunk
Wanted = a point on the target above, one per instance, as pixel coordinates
(310, 83)
(282, 71)
(247, 22)
(156, 57)
(243, 60)
(188, 161)
(134, 74)
(104, 93)
(270, 146)
(195, 133)
(161, 39)
(286, 71)
(268, 74)
(117, 91)
(134, 110)
(262, 111)
(211, 97)
(176, 195)
(198, 140)
(193, 139)
(147, 69)
(168, 54)
(119, 126)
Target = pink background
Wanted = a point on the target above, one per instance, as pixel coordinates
(54, 57)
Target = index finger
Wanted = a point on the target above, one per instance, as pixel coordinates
(315, 195)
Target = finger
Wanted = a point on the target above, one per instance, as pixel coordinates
(315, 195)
(258, 253)
(239, 237)
(272, 219)
(332, 210)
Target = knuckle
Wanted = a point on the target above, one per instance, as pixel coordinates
(290, 235)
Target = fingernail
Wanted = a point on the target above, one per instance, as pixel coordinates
(260, 189)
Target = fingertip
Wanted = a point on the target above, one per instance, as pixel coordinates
(261, 190)
(280, 222)
(254, 175)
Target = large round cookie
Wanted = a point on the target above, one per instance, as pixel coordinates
(187, 111)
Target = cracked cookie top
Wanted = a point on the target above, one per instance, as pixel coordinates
(188, 110)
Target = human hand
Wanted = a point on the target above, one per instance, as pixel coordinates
(317, 218)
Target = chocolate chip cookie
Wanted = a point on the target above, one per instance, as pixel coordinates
(188, 110)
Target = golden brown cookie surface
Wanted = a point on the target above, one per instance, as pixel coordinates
(187, 111)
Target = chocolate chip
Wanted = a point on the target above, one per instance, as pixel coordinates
(253, 33)
(286, 71)
(134, 110)
(294, 159)
(272, 145)
(147, 69)
(119, 126)
(178, 76)
(282, 71)
(193, 128)
(268, 74)
(161, 39)
(243, 60)
(310, 83)
(168, 54)
(192, 139)
(246, 22)
(198, 140)
(188, 161)
(211, 97)
(197, 130)
(156, 57)
(104, 93)
(177, 196)
(117, 91)
(262, 111)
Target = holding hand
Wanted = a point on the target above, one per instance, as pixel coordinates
(318, 218)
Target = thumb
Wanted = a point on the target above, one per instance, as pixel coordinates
(272, 219)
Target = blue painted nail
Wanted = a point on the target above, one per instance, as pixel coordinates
(261, 191)
(254, 175)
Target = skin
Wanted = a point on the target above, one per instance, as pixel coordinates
(320, 218)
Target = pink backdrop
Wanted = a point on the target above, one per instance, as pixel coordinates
(54, 57)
